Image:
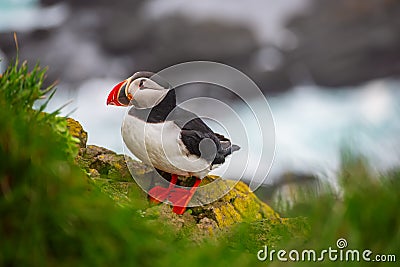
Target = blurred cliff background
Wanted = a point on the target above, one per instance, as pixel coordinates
(330, 69)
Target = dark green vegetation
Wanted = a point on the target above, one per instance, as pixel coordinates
(52, 214)
(364, 210)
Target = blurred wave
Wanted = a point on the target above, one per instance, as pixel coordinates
(313, 125)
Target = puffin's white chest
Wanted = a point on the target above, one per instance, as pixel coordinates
(159, 144)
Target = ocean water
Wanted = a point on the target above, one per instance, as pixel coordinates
(313, 125)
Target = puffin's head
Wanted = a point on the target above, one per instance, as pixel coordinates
(143, 90)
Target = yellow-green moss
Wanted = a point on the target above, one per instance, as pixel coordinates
(76, 130)
(248, 205)
(226, 215)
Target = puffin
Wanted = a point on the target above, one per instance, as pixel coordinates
(167, 137)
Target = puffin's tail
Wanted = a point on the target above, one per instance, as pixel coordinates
(226, 145)
(234, 148)
(228, 148)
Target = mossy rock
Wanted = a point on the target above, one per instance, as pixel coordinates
(238, 205)
(77, 131)
(100, 162)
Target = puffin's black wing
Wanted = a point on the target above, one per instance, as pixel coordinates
(194, 131)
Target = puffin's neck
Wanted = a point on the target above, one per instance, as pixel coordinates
(158, 113)
(164, 108)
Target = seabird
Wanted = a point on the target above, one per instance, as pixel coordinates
(167, 137)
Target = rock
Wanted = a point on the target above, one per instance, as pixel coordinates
(345, 42)
(154, 45)
(103, 163)
(117, 46)
(239, 204)
(76, 130)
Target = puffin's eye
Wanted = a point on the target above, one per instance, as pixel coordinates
(141, 83)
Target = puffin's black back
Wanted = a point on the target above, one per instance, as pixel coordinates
(193, 129)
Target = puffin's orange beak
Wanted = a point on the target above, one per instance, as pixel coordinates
(112, 98)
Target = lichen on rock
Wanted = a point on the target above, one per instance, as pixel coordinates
(77, 131)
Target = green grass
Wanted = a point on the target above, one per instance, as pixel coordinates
(52, 214)
(365, 212)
